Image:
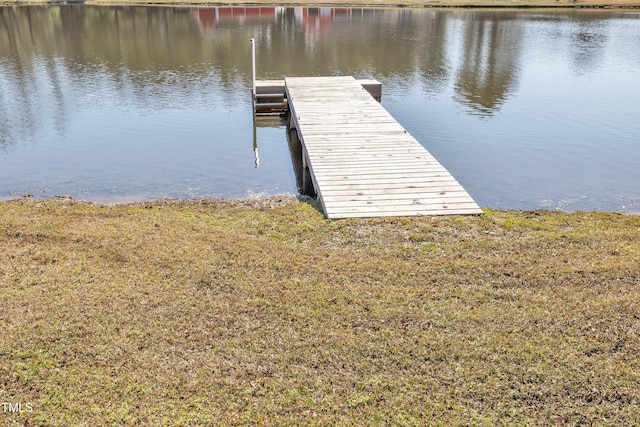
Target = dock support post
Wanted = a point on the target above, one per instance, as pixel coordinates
(307, 183)
(253, 67)
(299, 162)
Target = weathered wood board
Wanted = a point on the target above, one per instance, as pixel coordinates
(363, 163)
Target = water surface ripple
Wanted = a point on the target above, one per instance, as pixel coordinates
(527, 108)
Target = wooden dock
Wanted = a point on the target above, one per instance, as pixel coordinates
(362, 162)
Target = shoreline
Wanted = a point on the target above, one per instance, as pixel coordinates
(470, 4)
(275, 201)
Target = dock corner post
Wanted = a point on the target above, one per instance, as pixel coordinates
(253, 67)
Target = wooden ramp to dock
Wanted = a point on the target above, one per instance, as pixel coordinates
(362, 162)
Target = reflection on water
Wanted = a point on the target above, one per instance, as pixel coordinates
(490, 60)
(526, 108)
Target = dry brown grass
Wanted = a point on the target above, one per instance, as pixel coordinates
(265, 313)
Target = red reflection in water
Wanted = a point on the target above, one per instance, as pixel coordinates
(209, 17)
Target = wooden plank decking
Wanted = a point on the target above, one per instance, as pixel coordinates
(362, 161)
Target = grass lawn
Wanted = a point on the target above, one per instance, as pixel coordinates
(265, 313)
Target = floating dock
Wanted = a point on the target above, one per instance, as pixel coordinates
(362, 162)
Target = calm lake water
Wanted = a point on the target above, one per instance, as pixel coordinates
(527, 109)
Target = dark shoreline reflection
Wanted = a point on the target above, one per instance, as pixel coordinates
(490, 61)
(141, 50)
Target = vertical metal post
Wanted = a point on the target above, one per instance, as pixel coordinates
(253, 98)
(256, 157)
(253, 67)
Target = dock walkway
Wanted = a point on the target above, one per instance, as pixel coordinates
(363, 163)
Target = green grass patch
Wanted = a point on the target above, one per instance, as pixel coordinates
(264, 313)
